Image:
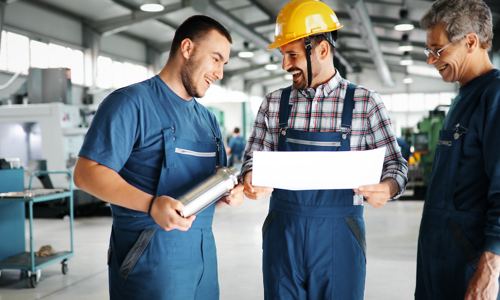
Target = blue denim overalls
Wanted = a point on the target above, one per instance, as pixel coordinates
(450, 241)
(147, 262)
(314, 240)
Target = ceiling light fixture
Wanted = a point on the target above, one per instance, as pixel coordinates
(271, 66)
(245, 53)
(405, 45)
(407, 80)
(406, 60)
(152, 6)
(404, 23)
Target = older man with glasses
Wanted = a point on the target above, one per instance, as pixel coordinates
(459, 241)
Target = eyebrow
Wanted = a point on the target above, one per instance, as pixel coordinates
(433, 45)
(221, 57)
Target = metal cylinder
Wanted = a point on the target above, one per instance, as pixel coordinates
(209, 191)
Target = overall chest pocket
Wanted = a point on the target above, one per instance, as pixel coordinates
(313, 143)
(195, 153)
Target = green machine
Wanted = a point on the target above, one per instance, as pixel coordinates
(424, 143)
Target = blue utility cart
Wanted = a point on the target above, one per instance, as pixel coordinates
(27, 262)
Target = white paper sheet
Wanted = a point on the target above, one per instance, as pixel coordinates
(317, 170)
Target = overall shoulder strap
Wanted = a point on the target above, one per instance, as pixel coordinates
(216, 138)
(348, 110)
(283, 116)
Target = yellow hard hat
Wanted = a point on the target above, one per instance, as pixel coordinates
(301, 18)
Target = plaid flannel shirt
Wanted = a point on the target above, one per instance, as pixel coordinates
(371, 127)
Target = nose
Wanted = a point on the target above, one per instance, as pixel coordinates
(431, 59)
(219, 72)
(286, 64)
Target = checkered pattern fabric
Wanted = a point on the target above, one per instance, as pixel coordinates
(371, 125)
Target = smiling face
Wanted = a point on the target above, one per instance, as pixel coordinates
(451, 64)
(295, 62)
(205, 64)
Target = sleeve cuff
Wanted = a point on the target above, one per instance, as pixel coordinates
(401, 183)
(492, 244)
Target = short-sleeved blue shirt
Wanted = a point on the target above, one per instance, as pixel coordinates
(126, 132)
(237, 145)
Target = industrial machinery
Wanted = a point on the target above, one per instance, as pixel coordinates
(424, 143)
(45, 136)
(44, 131)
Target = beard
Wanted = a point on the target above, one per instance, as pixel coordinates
(302, 83)
(187, 78)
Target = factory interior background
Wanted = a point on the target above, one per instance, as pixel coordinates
(60, 58)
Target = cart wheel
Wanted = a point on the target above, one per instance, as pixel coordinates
(64, 267)
(33, 281)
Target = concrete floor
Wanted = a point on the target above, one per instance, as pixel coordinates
(391, 238)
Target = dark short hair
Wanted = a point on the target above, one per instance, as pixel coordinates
(318, 38)
(236, 130)
(196, 28)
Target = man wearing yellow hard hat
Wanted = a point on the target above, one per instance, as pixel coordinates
(314, 241)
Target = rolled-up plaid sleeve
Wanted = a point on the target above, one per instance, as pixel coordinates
(381, 134)
(260, 139)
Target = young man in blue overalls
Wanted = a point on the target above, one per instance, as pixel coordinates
(148, 144)
(314, 243)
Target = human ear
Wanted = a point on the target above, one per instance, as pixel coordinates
(323, 49)
(472, 41)
(187, 47)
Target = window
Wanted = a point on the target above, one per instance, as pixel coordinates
(76, 64)
(104, 72)
(14, 52)
(3, 52)
(39, 54)
(57, 56)
(19, 53)
(115, 74)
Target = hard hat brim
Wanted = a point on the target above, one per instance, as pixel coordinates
(279, 43)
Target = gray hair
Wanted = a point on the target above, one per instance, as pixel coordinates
(461, 17)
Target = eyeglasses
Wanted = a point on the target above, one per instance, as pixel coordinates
(435, 53)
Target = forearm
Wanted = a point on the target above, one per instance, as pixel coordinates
(489, 264)
(393, 186)
(107, 185)
(484, 282)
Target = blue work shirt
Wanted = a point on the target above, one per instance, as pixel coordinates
(477, 187)
(126, 133)
(237, 145)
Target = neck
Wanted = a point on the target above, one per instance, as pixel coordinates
(325, 71)
(477, 65)
(171, 75)
(323, 78)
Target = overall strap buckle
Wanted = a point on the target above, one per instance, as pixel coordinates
(346, 129)
(282, 128)
(459, 130)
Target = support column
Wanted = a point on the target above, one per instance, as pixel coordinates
(153, 59)
(92, 44)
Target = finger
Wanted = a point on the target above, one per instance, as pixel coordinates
(368, 188)
(184, 224)
(251, 196)
(237, 189)
(177, 205)
(248, 181)
(262, 189)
